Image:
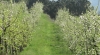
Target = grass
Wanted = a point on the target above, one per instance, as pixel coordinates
(46, 40)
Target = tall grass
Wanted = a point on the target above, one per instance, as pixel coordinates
(82, 33)
(16, 25)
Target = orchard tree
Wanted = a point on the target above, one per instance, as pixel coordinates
(30, 2)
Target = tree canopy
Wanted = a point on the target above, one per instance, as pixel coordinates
(75, 7)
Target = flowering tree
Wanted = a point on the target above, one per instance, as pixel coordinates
(81, 33)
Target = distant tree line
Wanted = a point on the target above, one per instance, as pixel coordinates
(75, 7)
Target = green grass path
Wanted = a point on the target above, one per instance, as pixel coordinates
(46, 40)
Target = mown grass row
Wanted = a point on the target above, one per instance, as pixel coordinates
(47, 40)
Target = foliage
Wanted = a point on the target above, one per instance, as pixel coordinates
(76, 7)
(81, 33)
(16, 26)
(36, 12)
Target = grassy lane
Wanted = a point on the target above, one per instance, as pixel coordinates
(46, 40)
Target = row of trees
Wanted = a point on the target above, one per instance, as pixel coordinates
(16, 26)
(76, 7)
(82, 34)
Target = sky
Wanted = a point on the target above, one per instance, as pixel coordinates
(52, 0)
(95, 4)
